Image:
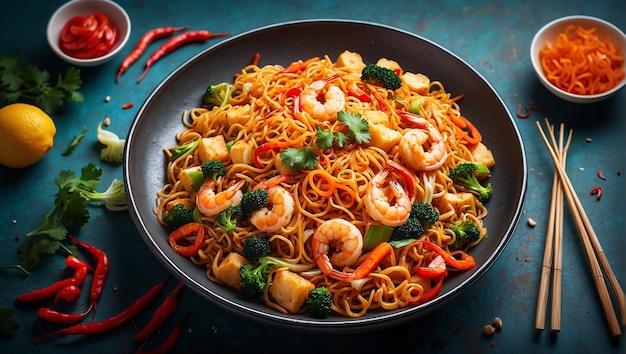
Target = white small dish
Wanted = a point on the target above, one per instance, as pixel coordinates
(116, 14)
(551, 31)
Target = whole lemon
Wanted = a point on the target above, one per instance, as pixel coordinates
(26, 134)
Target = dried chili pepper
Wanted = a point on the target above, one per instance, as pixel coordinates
(176, 42)
(162, 313)
(114, 321)
(601, 175)
(597, 191)
(142, 45)
(127, 105)
(528, 109)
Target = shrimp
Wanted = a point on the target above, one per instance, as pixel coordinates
(414, 141)
(348, 240)
(280, 207)
(379, 204)
(209, 203)
(333, 100)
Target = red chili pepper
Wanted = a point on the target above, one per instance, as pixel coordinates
(472, 136)
(47, 292)
(80, 269)
(176, 42)
(127, 105)
(51, 315)
(255, 59)
(114, 321)
(101, 272)
(357, 92)
(466, 262)
(70, 293)
(597, 191)
(182, 233)
(143, 43)
(430, 293)
(168, 345)
(89, 36)
(162, 313)
(601, 175)
(269, 146)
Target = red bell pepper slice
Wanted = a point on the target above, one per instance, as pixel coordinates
(466, 262)
(269, 146)
(182, 233)
(434, 270)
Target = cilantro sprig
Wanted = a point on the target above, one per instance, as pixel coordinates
(69, 212)
(33, 86)
(356, 127)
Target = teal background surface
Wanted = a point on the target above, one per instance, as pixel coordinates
(492, 36)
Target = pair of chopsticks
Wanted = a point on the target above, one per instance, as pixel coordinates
(595, 255)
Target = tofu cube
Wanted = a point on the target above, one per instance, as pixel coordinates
(228, 271)
(185, 177)
(389, 64)
(374, 117)
(482, 154)
(462, 201)
(239, 115)
(213, 148)
(241, 152)
(384, 137)
(290, 290)
(416, 82)
(350, 61)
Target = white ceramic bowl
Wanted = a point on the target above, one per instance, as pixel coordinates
(116, 14)
(550, 32)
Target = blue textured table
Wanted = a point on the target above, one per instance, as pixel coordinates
(492, 36)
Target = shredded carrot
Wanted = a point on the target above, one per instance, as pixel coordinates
(580, 63)
(321, 182)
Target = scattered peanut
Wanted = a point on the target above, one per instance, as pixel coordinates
(588, 140)
(107, 99)
(107, 121)
(531, 222)
(489, 330)
(497, 322)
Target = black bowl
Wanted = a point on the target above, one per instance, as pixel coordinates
(157, 121)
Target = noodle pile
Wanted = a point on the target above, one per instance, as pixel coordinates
(261, 110)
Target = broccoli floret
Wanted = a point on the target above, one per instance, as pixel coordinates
(255, 247)
(254, 276)
(465, 176)
(412, 228)
(180, 215)
(381, 76)
(319, 301)
(466, 232)
(216, 95)
(180, 150)
(114, 146)
(227, 219)
(212, 169)
(254, 200)
(114, 198)
(425, 213)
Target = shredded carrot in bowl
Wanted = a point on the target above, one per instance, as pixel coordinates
(580, 63)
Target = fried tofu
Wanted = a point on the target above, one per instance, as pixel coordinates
(290, 290)
(228, 271)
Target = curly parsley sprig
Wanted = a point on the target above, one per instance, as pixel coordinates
(33, 86)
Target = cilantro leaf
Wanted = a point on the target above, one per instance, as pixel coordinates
(7, 323)
(358, 127)
(324, 138)
(74, 142)
(299, 159)
(33, 86)
(341, 139)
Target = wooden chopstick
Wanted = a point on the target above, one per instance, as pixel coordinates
(553, 250)
(591, 244)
